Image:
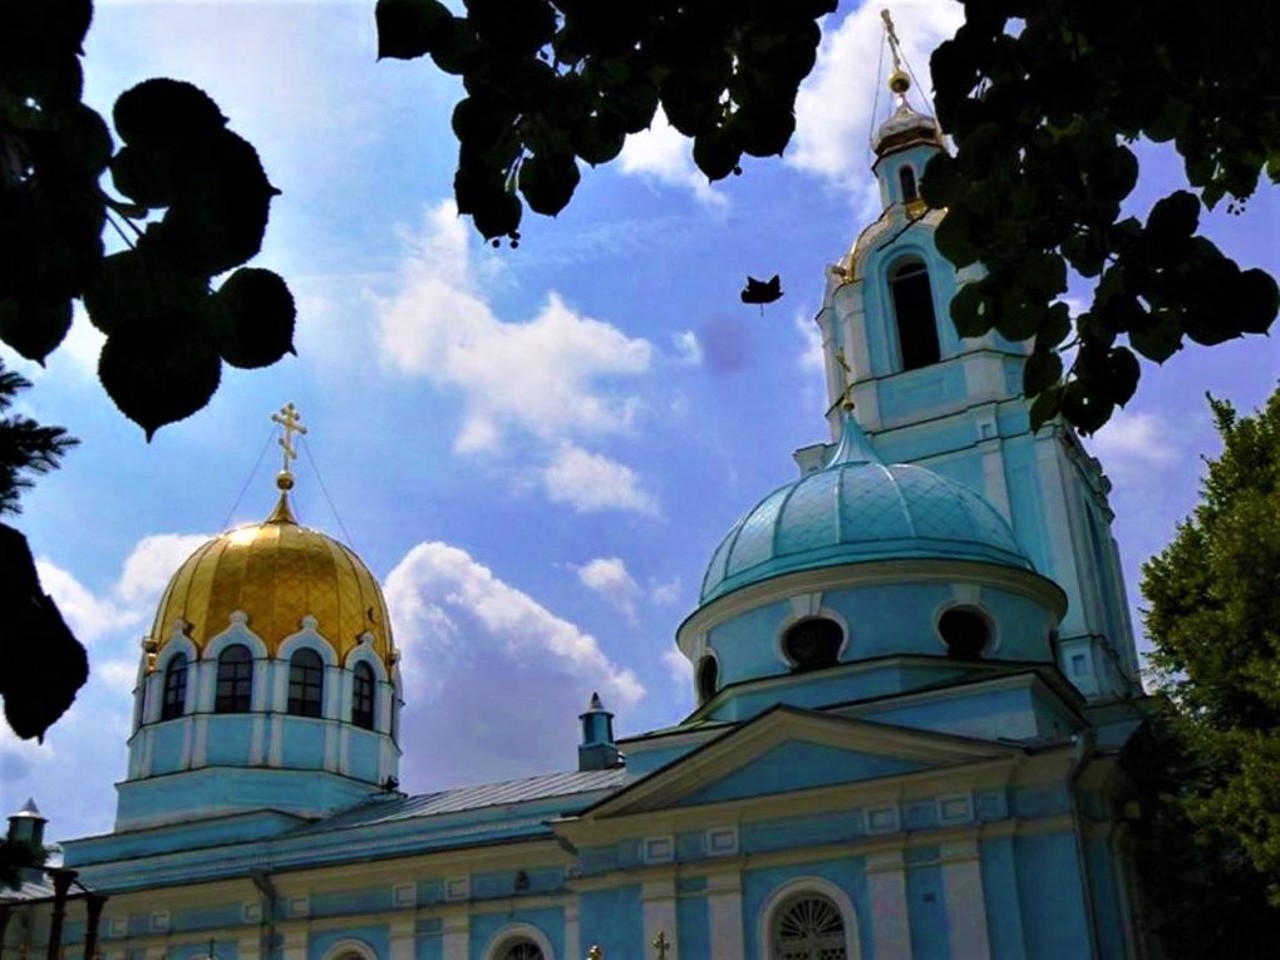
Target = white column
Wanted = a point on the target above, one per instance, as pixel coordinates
(249, 948)
(403, 939)
(724, 908)
(659, 903)
(572, 930)
(966, 902)
(887, 891)
(295, 945)
(457, 936)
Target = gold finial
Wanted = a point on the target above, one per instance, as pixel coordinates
(595, 953)
(662, 944)
(899, 80)
(846, 395)
(291, 420)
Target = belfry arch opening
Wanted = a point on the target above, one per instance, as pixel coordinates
(917, 324)
(907, 181)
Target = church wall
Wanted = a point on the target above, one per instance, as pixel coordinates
(926, 905)
(847, 874)
(614, 917)
(1107, 905)
(693, 920)
(1004, 911)
(487, 928)
(376, 936)
(1050, 880)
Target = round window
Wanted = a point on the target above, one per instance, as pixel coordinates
(708, 677)
(965, 631)
(813, 643)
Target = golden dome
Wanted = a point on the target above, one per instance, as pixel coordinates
(276, 572)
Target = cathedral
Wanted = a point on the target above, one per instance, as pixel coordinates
(914, 673)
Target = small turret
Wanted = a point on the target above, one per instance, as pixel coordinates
(598, 751)
(27, 825)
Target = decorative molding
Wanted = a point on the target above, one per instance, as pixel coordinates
(404, 895)
(457, 888)
(882, 819)
(721, 841)
(658, 849)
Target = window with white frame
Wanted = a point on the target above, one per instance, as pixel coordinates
(809, 926)
(519, 948)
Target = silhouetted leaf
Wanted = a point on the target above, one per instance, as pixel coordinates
(762, 291)
(255, 326)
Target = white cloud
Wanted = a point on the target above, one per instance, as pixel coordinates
(151, 563)
(546, 375)
(688, 349)
(89, 616)
(681, 672)
(812, 357)
(663, 154)
(834, 110)
(1134, 445)
(487, 666)
(609, 577)
(591, 482)
(664, 593)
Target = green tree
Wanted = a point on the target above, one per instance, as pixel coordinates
(44, 665)
(1042, 101)
(1213, 617)
(1040, 98)
(197, 202)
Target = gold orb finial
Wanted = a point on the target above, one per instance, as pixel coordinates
(899, 82)
(284, 480)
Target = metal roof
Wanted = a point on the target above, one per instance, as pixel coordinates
(485, 796)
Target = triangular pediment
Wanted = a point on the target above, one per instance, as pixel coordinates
(789, 749)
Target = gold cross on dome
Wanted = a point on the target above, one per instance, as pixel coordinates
(893, 38)
(291, 420)
(662, 944)
(595, 953)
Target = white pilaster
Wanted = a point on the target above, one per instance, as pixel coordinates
(724, 908)
(295, 945)
(403, 939)
(887, 891)
(457, 936)
(658, 899)
(966, 901)
(249, 948)
(572, 930)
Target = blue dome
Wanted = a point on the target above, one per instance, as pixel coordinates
(855, 510)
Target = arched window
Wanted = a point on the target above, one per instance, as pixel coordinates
(235, 680)
(813, 643)
(708, 677)
(520, 949)
(809, 927)
(913, 310)
(907, 180)
(966, 632)
(362, 696)
(174, 704)
(306, 684)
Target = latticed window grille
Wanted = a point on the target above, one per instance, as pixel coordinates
(521, 950)
(809, 927)
(175, 688)
(306, 684)
(235, 680)
(362, 696)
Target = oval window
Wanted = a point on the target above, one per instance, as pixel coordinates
(813, 643)
(708, 678)
(965, 631)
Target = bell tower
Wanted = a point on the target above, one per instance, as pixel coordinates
(927, 396)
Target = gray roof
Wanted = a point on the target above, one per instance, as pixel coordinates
(489, 795)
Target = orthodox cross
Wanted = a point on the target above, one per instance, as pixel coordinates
(291, 420)
(893, 38)
(662, 944)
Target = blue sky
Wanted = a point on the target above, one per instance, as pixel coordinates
(535, 450)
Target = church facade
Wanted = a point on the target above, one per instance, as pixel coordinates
(914, 670)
